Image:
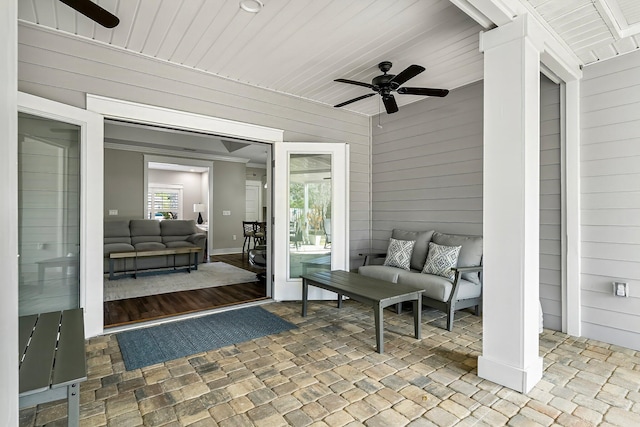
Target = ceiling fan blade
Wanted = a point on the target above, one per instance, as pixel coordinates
(425, 91)
(410, 72)
(390, 104)
(342, 104)
(93, 12)
(353, 82)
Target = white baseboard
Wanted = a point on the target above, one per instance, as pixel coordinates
(226, 251)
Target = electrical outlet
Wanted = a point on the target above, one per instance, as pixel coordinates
(113, 211)
(226, 213)
(234, 237)
(621, 289)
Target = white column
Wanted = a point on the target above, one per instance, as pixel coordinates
(9, 196)
(511, 205)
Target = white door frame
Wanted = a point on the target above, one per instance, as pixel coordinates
(160, 116)
(286, 288)
(91, 199)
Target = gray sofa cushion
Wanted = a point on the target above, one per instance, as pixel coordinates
(178, 227)
(470, 254)
(422, 239)
(438, 287)
(149, 246)
(117, 247)
(145, 230)
(380, 272)
(116, 232)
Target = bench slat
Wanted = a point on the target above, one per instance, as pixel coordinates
(70, 359)
(35, 371)
(25, 326)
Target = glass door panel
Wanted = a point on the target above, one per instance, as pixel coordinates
(310, 197)
(49, 214)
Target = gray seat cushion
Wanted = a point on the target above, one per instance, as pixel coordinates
(438, 287)
(117, 247)
(180, 244)
(470, 254)
(422, 239)
(380, 272)
(149, 246)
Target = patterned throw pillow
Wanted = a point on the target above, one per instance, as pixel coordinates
(441, 259)
(399, 253)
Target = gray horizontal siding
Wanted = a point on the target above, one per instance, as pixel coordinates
(610, 200)
(64, 68)
(427, 167)
(550, 205)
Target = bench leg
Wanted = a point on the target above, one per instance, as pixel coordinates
(339, 300)
(379, 321)
(73, 405)
(305, 294)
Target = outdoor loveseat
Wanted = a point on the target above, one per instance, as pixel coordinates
(152, 235)
(452, 281)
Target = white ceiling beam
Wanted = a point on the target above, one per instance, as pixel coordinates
(556, 54)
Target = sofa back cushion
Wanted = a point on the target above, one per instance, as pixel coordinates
(177, 229)
(470, 254)
(116, 232)
(145, 230)
(422, 239)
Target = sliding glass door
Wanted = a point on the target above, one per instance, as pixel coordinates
(60, 185)
(49, 214)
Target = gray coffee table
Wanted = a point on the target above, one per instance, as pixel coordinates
(376, 293)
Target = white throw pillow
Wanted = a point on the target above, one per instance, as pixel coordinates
(399, 253)
(441, 259)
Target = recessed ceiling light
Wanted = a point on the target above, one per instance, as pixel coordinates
(251, 6)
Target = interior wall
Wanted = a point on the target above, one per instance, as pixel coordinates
(191, 188)
(228, 195)
(63, 68)
(123, 184)
(610, 199)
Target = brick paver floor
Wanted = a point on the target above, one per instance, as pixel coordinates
(327, 373)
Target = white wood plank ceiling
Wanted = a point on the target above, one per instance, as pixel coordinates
(299, 47)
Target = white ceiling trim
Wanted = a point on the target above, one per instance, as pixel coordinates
(615, 19)
(555, 53)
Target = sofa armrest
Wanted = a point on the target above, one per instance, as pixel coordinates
(197, 239)
(370, 256)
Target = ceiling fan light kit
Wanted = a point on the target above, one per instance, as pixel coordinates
(385, 84)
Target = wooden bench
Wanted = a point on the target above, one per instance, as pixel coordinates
(159, 252)
(378, 294)
(52, 359)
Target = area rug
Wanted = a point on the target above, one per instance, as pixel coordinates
(158, 344)
(208, 275)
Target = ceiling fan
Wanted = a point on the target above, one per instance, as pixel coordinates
(387, 83)
(93, 12)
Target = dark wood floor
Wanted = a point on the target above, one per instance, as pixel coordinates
(123, 312)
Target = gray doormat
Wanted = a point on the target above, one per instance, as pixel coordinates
(158, 344)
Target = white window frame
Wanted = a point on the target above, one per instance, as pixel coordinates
(167, 188)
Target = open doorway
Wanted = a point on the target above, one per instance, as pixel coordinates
(163, 175)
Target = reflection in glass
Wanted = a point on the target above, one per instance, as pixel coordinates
(310, 195)
(49, 214)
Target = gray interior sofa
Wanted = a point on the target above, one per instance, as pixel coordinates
(150, 234)
(441, 293)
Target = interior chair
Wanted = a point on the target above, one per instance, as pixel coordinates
(259, 233)
(249, 233)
